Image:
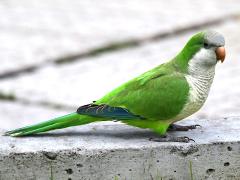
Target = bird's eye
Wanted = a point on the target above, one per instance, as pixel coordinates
(206, 45)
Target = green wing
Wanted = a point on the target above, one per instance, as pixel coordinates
(158, 94)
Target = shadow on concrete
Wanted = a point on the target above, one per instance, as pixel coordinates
(134, 134)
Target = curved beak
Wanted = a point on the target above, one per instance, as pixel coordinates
(220, 53)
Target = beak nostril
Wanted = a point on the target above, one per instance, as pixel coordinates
(220, 53)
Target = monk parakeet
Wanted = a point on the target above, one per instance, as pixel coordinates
(156, 99)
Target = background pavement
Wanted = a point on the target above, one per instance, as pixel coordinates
(57, 55)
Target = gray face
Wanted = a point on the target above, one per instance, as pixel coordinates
(207, 54)
(206, 57)
(213, 39)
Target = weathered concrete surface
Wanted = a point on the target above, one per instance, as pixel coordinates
(114, 151)
(87, 80)
(33, 32)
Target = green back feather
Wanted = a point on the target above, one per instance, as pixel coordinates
(159, 94)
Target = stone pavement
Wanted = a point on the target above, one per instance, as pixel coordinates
(102, 45)
(34, 33)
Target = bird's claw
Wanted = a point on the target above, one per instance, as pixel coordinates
(176, 127)
(195, 126)
(184, 139)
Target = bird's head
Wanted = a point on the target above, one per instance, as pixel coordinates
(203, 49)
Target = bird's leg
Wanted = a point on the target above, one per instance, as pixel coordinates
(175, 127)
(172, 139)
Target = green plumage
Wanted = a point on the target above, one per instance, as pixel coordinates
(157, 96)
(72, 119)
(153, 95)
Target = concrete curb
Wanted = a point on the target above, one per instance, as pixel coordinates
(116, 151)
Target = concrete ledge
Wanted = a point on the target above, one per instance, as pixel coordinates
(115, 151)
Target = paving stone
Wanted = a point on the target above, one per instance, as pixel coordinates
(33, 32)
(15, 115)
(108, 151)
(87, 80)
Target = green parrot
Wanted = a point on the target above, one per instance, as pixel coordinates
(156, 99)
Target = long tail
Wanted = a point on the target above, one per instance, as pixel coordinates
(72, 119)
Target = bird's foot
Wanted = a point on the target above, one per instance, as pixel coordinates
(175, 127)
(183, 139)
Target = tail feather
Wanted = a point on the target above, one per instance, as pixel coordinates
(39, 125)
(72, 119)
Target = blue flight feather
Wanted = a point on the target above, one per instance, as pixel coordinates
(107, 112)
